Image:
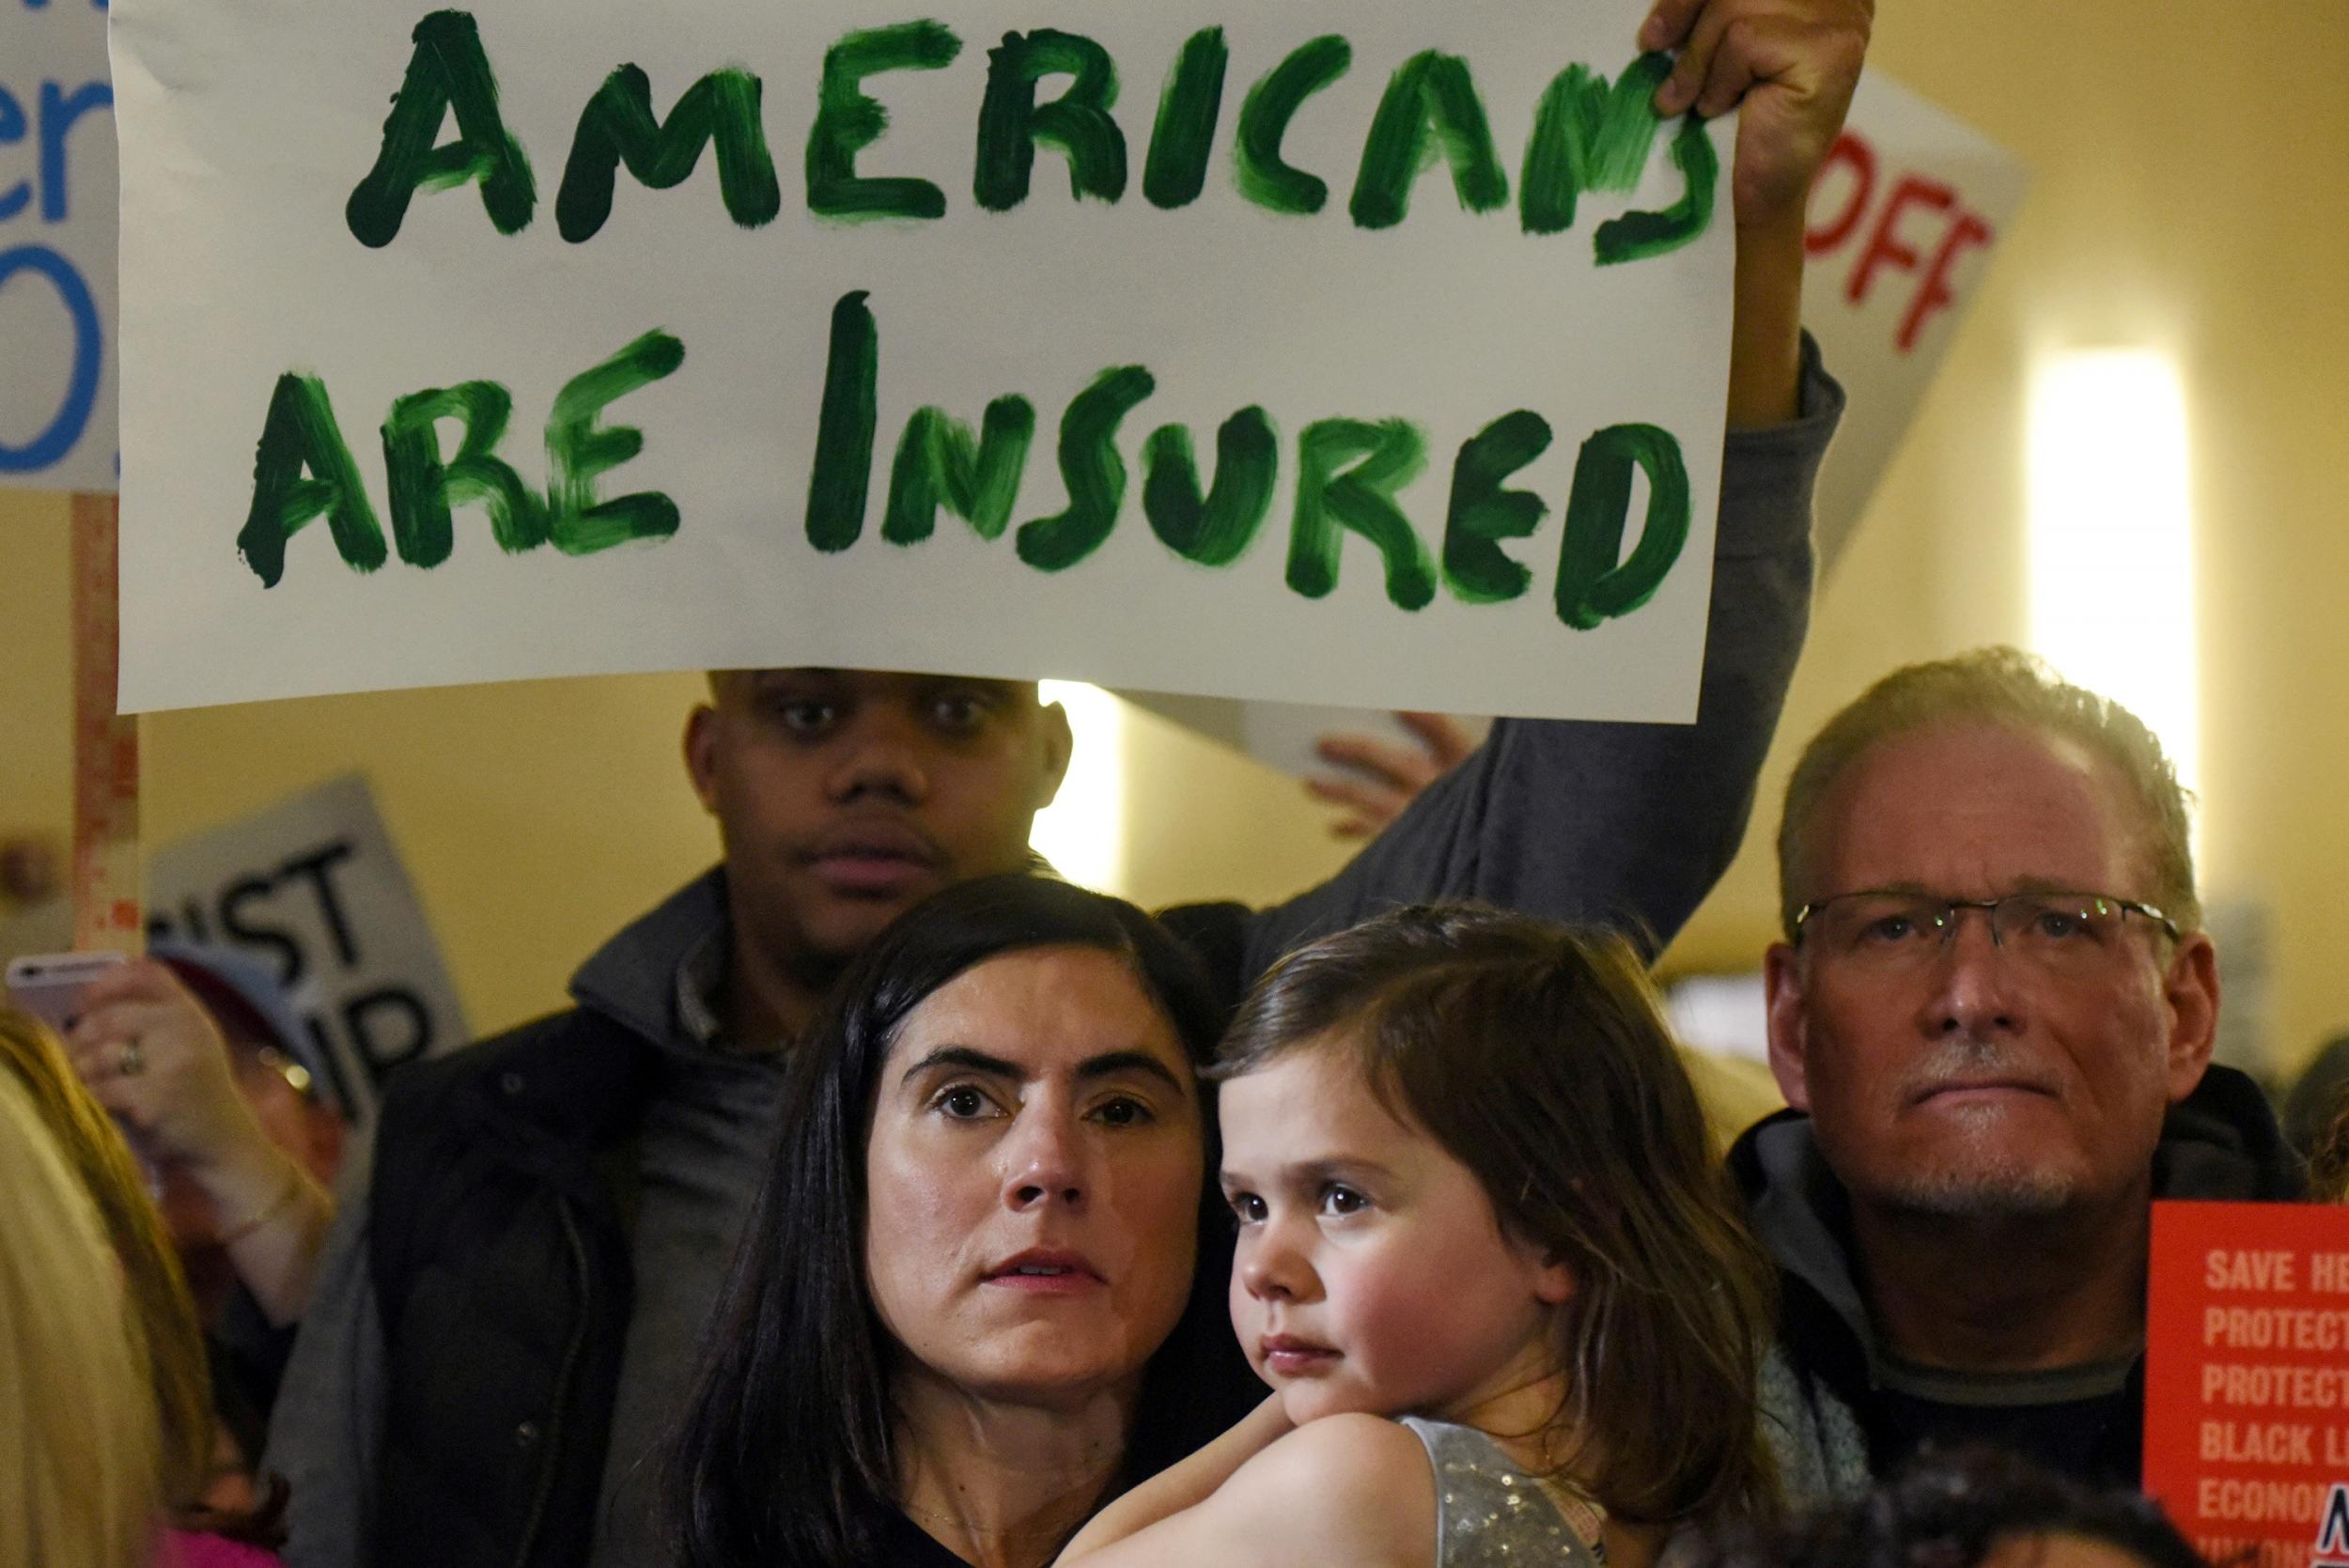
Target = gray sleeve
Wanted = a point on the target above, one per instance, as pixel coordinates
(328, 1421)
(1625, 824)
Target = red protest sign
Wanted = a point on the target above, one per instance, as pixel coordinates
(2247, 1380)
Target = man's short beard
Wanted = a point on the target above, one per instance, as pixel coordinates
(1982, 1194)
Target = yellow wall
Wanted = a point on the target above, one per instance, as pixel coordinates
(36, 760)
(2192, 192)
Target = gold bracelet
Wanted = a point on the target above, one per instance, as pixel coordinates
(277, 1205)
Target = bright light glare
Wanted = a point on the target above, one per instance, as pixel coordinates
(2112, 538)
(1083, 831)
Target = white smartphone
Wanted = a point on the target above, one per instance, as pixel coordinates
(49, 985)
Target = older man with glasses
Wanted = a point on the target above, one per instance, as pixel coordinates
(1992, 1016)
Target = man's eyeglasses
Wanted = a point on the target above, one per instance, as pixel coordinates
(2052, 930)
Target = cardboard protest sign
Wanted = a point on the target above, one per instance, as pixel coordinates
(315, 888)
(2246, 1379)
(1319, 351)
(1904, 220)
(57, 247)
(315, 885)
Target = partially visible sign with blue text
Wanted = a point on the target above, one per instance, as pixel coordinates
(57, 247)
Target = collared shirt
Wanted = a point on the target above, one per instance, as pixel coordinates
(699, 988)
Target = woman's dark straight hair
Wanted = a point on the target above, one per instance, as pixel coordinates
(783, 1457)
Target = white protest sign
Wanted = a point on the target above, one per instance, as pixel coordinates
(1285, 734)
(315, 886)
(57, 247)
(870, 342)
(1902, 223)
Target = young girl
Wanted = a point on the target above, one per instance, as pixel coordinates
(1475, 1194)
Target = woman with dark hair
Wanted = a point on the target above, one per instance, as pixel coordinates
(967, 1308)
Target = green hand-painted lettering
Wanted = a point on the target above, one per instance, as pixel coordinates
(424, 489)
(1092, 469)
(847, 122)
(842, 473)
(940, 465)
(1592, 588)
(1331, 495)
(619, 126)
(1636, 236)
(1212, 530)
(1076, 124)
(300, 433)
(1265, 176)
(578, 453)
(1588, 136)
(1432, 91)
(1484, 511)
(1175, 170)
(447, 73)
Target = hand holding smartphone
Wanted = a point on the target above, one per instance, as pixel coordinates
(50, 986)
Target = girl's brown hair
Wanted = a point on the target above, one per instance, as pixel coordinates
(1538, 1058)
(163, 1315)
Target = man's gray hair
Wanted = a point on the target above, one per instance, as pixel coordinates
(1996, 686)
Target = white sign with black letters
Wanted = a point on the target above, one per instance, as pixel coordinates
(315, 887)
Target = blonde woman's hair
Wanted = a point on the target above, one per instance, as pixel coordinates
(79, 1435)
(1994, 686)
(169, 1335)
